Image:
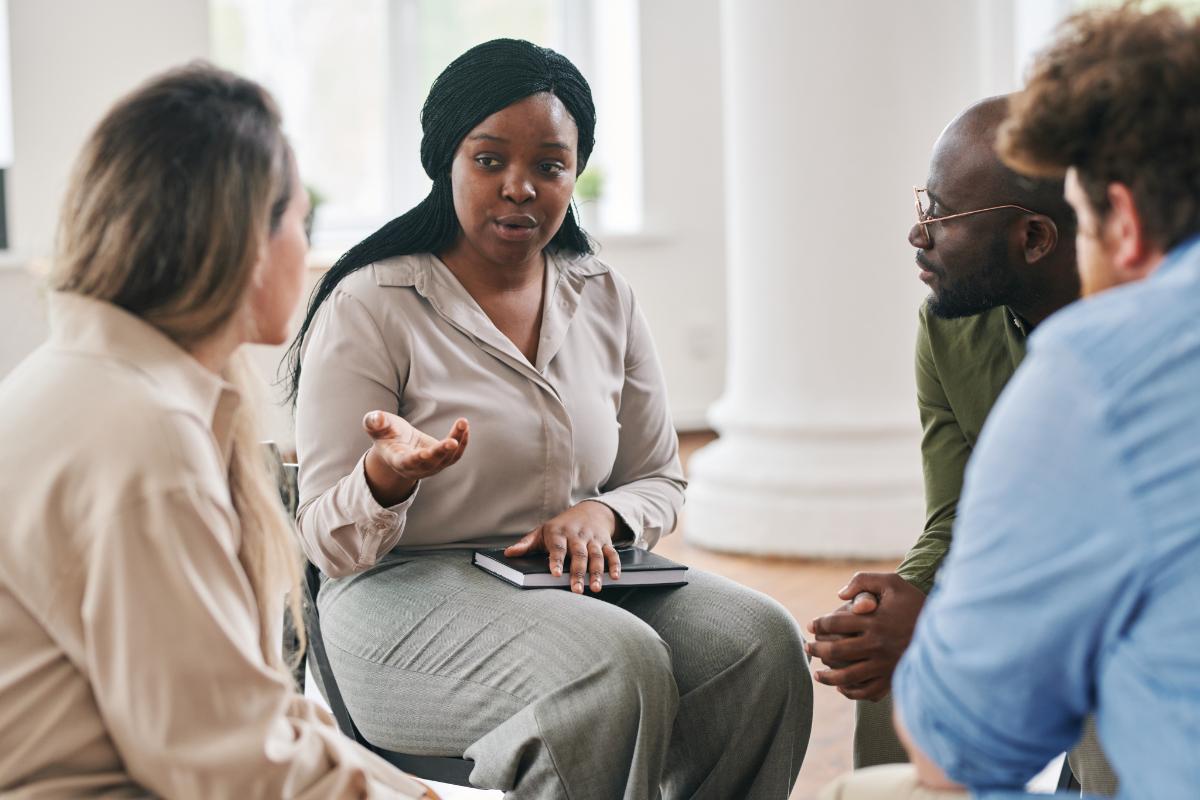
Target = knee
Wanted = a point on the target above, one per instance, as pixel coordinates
(773, 634)
(636, 686)
(640, 659)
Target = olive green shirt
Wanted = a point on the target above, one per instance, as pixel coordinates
(962, 366)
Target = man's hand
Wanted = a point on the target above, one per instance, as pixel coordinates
(585, 532)
(862, 641)
(401, 455)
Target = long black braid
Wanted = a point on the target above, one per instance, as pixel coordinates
(485, 79)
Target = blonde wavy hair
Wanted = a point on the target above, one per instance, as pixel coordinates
(167, 216)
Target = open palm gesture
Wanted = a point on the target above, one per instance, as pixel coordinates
(401, 455)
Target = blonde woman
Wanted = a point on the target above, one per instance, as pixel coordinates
(144, 555)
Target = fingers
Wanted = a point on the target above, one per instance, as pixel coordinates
(874, 582)
(595, 564)
(864, 603)
(579, 563)
(841, 651)
(556, 546)
(839, 622)
(871, 690)
(528, 542)
(376, 424)
(857, 673)
(614, 561)
(461, 433)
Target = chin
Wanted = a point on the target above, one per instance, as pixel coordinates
(271, 336)
(514, 254)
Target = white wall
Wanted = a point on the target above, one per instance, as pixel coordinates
(678, 267)
(66, 75)
(70, 60)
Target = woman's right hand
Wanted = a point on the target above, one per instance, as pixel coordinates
(401, 455)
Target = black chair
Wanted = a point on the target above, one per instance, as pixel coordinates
(446, 769)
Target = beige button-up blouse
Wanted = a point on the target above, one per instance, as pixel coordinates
(587, 420)
(130, 656)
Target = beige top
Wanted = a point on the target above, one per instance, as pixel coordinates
(587, 420)
(130, 656)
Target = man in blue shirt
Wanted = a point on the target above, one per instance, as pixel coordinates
(1070, 585)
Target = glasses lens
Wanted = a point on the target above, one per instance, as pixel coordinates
(923, 205)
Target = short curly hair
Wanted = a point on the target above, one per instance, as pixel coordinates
(1117, 97)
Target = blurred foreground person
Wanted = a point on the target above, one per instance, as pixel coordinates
(145, 553)
(1069, 589)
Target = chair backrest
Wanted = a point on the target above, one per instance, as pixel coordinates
(447, 769)
(318, 661)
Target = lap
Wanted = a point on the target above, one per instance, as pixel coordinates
(713, 622)
(421, 641)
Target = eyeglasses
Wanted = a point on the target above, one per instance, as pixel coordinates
(923, 205)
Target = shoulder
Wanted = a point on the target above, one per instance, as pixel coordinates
(129, 439)
(1125, 335)
(379, 299)
(985, 327)
(369, 285)
(597, 279)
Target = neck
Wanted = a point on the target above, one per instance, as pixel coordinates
(214, 352)
(475, 272)
(1054, 286)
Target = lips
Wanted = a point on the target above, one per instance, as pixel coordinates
(928, 271)
(515, 227)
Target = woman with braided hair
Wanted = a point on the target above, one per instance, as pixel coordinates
(483, 312)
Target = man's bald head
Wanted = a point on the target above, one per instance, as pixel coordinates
(1009, 239)
(966, 173)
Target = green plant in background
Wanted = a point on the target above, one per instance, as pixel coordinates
(315, 199)
(590, 185)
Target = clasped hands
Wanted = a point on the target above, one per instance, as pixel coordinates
(401, 455)
(862, 641)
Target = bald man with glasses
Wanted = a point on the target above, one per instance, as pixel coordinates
(997, 251)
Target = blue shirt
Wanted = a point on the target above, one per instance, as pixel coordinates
(1071, 586)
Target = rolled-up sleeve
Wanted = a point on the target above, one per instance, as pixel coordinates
(347, 371)
(646, 487)
(1001, 670)
(172, 648)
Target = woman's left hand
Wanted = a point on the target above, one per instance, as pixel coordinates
(585, 533)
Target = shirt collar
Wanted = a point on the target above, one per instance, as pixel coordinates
(95, 327)
(416, 270)
(1186, 251)
(1015, 320)
(566, 276)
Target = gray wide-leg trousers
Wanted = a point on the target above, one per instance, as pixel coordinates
(699, 691)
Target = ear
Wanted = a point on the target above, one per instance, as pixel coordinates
(1124, 234)
(1039, 237)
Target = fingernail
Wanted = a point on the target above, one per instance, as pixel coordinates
(374, 418)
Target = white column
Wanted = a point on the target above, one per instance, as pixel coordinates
(831, 110)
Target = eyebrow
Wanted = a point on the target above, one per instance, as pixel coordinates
(487, 137)
(935, 198)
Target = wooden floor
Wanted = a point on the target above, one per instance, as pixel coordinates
(807, 589)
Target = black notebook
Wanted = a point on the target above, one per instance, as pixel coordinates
(638, 568)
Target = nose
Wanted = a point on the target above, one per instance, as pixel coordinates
(919, 237)
(517, 188)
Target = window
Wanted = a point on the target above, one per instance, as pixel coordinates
(351, 85)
